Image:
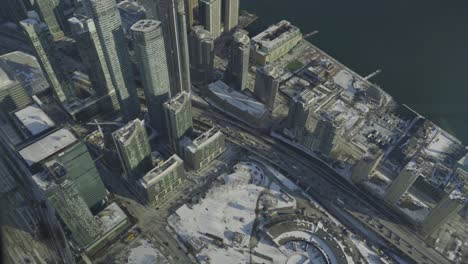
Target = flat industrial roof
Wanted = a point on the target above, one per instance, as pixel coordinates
(34, 119)
(47, 146)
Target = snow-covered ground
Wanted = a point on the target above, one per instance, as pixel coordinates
(441, 144)
(145, 253)
(227, 212)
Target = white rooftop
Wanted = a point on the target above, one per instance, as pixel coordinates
(237, 99)
(34, 119)
(47, 146)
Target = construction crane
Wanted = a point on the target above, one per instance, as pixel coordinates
(310, 34)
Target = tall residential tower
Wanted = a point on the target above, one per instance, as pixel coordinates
(210, 16)
(237, 71)
(109, 28)
(151, 57)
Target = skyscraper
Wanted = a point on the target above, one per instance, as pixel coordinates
(237, 71)
(450, 204)
(133, 148)
(171, 13)
(109, 28)
(151, 57)
(266, 85)
(91, 53)
(178, 112)
(52, 14)
(191, 11)
(230, 14)
(62, 193)
(210, 16)
(201, 54)
(39, 37)
(403, 182)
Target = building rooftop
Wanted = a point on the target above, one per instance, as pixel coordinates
(47, 146)
(161, 170)
(111, 216)
(132, 8)
(124, 133)
(205, 138)
(176, 102)
(34, 119)
(241, 38)
(25, 69)
(276, 35)
(146, 25)
(6, 79)
(237, 99)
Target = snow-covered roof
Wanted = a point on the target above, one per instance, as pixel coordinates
(34, 119)
(47, 146)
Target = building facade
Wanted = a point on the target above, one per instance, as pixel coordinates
(267, 85)
(191, 11)
(403, 182)
(178, 111)
(237, 70)
(210, 16)
(151, 57)
(275, 42)
(230, 14)
(163, 179)
(132, 145)
(51, 13)
(171, 13)
(365, 167)
(202, 150)
(109, 28)
(450, 204)
(39, 37)
(201, 54)
(62, 193)
(13, 95)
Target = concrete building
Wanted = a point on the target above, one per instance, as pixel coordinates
(130, 12)
(171, 13)
(237, 70)
(13, 95)
(311, 129)
(109, 28)
(202, 150)
(238, 105)
(63, 195)
(163, 179)
(365, 167)
(26, 70)
(210, 16)
(63, 147)
(201, 54)
(191, 11)
(92, 54)
(51, 13)
(178, 111)
(151, 57)
(403, 182)
(39, 37)
(450, 204)
(25, 218)
(275, 42)
(133, 148)
(266, 85)
(230, 14)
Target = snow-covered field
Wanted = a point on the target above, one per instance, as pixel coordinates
(228, 212)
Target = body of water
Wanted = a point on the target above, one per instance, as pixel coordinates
(421, 46)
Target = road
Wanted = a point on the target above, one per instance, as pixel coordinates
(312, 173)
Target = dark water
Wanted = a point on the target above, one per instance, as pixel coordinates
(421, 46)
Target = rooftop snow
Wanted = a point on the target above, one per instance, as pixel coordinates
(47, 146)
(34, 119)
